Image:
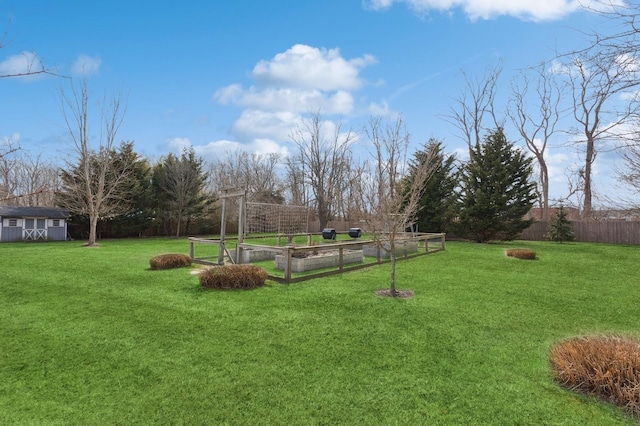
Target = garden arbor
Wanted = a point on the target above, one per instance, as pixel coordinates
(277, 220)
(227, 194)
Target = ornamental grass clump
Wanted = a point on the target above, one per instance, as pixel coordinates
(233, 277)
(521, 254)
(607, 367)
(170, 261)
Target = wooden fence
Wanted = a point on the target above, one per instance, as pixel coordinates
(408, 246)
(614, 232)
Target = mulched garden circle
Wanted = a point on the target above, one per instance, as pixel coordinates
(401, 294)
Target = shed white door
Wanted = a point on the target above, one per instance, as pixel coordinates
(34, 229)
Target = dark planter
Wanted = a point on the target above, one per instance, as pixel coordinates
(329, 234)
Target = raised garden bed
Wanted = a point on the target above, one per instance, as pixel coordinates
(250, 256)
(320, 260)
(402, 248)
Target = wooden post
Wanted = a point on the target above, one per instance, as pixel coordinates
(340, 259)
(241, 225)
(191, 249)
(287, 265)
(223, 230)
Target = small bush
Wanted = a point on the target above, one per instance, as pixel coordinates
(560, 228)
(521, 253)
(169, 261)
(233, 277)
(607, 367)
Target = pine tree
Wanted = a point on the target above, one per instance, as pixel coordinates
(179, 184)
(495, 191)
(435, 208)
(560, 229)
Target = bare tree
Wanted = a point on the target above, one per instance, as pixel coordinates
(536, 121)
(8, 145)
(323, 160)
(469, 114)
(619, 32)
(31, 63)
(298, 193)
(630, 174)
(28, 181)
(597, 80)
(384, 205)
(257, 173)
(93, 182)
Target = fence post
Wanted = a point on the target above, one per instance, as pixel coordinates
(287, 265)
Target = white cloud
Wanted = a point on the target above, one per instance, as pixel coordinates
(86, 65)
(9, 142)
(287, 99)
(559, 68)
(536, 10)
(276, 125)
(556, 166)
(310, 67)
(216, 149)
(300, 80)
(462, 154)
(176, 145)
(230, 94)
(22, 65)
(383, 109)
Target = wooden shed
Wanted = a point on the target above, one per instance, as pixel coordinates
(33, 224)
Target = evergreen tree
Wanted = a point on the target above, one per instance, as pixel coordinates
(560, 229)
(495, 191)
(179, 184)
(138, 183)
(110, 176)
(435, 208)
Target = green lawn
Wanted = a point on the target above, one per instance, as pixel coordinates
(91, 336)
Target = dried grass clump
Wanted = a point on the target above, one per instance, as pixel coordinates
(521, 253)
(169, 261)
(607, 367)
(233, 277)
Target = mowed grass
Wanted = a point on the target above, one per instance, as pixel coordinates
(92, 336)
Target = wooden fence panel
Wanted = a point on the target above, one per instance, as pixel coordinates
(613, 232)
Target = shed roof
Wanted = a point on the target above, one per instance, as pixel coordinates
(49, 212)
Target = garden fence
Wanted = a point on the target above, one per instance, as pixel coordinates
(614, 232)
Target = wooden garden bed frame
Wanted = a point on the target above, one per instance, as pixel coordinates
(437, 242)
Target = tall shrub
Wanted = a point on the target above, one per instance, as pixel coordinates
(560, 228)
(495, 191)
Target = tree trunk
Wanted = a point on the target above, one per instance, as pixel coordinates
(544, 182)
(179, 225)
(93, 226)
(392, 258)
(323, 213)
(587, 210)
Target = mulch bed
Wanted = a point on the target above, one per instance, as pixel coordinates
(402, 294)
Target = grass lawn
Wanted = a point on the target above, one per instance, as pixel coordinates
(92, 336)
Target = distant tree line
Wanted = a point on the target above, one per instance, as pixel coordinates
(123, 194)
(113, 192)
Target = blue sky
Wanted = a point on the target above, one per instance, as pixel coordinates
(224, 75)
